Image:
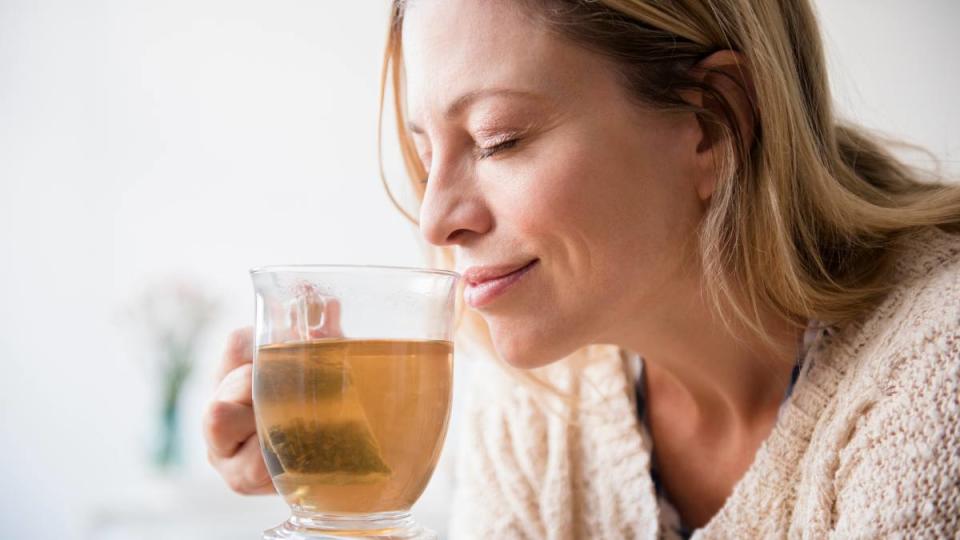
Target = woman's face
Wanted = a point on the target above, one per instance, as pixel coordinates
(537, 157)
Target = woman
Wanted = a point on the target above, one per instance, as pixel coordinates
(745, 314)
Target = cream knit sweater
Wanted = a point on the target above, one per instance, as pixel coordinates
(867, 445)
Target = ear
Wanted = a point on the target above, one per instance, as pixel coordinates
(727, 73)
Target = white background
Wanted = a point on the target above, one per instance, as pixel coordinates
(199, 138)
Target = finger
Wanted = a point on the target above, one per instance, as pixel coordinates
(237, 386)
(313, 315)
(239, 351)
(246, 472)
(229, 419)
(226, 425)
(330, 321)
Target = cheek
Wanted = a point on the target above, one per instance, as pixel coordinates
(553, 191)
(555, 210)
(592, 209)
(608, 229)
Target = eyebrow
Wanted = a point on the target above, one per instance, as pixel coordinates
(462, 102)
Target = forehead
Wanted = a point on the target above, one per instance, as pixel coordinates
(453, 47)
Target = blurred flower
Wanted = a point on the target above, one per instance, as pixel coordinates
(172, 316)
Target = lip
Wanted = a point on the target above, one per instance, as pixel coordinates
(486, 283)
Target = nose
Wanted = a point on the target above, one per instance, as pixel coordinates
(453, 209)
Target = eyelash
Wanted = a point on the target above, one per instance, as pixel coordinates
(485, 152)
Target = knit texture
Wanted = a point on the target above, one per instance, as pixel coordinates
(867, 445)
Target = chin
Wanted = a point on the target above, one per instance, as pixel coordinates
(527, 350)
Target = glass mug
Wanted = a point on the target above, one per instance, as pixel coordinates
(352, 382)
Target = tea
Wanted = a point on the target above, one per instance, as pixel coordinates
(352, 425)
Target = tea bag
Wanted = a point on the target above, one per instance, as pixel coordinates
(338, 452)
(320, 428)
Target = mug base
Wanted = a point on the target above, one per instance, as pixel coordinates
(384, 526)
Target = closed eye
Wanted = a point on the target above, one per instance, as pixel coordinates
(481, 152)
(487, 151)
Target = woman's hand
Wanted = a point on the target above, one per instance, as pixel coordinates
(228, 423)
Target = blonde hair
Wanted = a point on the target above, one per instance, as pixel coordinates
(806, 221)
